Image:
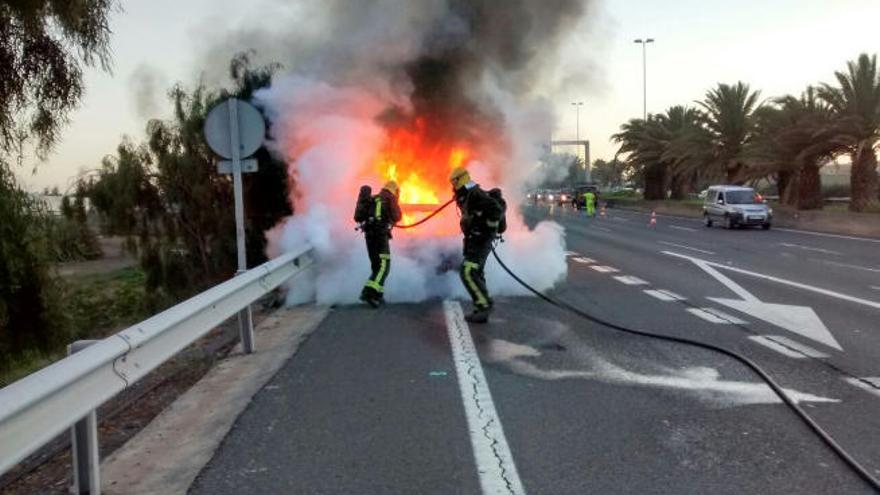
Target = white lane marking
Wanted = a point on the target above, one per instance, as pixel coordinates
(682, 228)
(572, 253)
(873, 386)
(724, 316)
(663, 295)
(630, 280)
(682, 246)
(604, 269)
(708, 316)
(494, 461)
(787, 347)
(819, 290)
(823, 234)
(620, 219)
(673, 295)
(808, 248)
(798, 319)
(847, 265)
(584, 260)
(875, 287)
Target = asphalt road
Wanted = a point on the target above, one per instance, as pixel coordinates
(391, 401)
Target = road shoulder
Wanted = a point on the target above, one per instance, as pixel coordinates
(169, 453)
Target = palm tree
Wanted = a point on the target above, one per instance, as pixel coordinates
(688, 149)
(793, 139)
(643, 143)
(856, 101)
(661, 150)
(729, 110)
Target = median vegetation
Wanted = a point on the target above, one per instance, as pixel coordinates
(733, 136)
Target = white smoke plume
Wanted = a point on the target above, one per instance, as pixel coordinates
(471, 67)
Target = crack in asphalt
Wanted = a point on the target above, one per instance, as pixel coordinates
(471, 360)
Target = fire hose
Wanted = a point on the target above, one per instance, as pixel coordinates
(845, 456)
(792, 404)
(433, 213)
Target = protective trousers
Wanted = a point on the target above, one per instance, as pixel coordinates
(380, 262)
(476, 251)
(591, 205)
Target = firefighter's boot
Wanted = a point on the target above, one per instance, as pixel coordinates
(480, 315)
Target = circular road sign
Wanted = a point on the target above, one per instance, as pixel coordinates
(251, 129)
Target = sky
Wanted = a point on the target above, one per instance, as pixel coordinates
(778, 47)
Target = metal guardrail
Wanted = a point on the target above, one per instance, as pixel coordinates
(42, 405)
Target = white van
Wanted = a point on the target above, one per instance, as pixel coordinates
(736, 206)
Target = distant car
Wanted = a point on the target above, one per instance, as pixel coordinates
(736, 206)
(564, 197)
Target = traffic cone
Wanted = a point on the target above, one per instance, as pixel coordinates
(602, 211)
(653, 222)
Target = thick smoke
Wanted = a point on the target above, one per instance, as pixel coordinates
(147, 84)
(461, 71)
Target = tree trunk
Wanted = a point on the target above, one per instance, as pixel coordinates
(786, 184)
(809, 195)
(655, 182)
(863, 178)
(735, 173)
(680, 187)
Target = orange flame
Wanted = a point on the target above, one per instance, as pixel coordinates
(421, 167)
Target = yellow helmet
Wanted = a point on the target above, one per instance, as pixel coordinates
(391, 186)
(459, 177)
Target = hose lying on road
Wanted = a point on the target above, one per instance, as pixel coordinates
(843, 454)
(433, 213)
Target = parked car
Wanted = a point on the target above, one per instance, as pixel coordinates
(736, 206)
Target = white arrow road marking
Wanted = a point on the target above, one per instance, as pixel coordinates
(818, 290)
(797, 319)
(585, 261)
(571, 253)
(687, 229)
(787, 347)
(682, 246)
(873, 386)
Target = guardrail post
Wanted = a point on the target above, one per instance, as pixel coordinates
(246, 329)
(84, 445)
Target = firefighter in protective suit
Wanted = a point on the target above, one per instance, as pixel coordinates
(481, 218)
(377, 215)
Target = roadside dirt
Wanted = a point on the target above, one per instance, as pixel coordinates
(114, 258)
(48, 471)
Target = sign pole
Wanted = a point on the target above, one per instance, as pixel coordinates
(245, 319)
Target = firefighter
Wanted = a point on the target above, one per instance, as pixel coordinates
(590, 200)
(377, 215)
(482, 219)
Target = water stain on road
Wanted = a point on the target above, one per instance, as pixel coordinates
(703, 382)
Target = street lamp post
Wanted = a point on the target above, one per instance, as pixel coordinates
(577, 109)
(644, 44)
